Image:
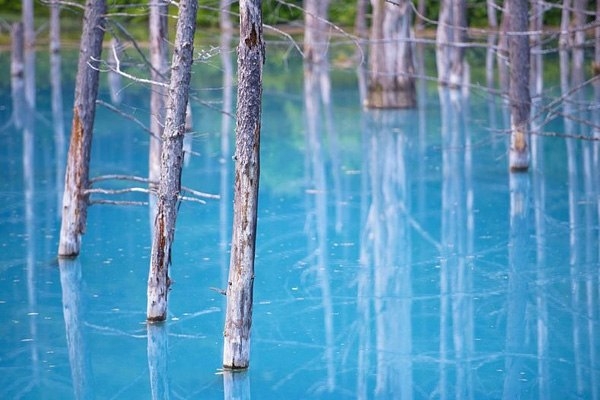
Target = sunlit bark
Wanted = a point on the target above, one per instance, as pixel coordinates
(171, 165)
(75, 199)
(238, 318)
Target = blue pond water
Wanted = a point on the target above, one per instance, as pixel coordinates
(396, 256)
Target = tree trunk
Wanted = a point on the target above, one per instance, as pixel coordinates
(520, 101)
(451, 34)
(29, 46)
(75, 199)
(17, 66)
(172, 159)
(57, 100)
(159, 70)
(238, 319)
(315, 27)
(391, 79)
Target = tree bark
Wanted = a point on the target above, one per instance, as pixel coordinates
(172, 159)
(57, 101)
(29, 47)
(75, 199)
(238, 319)
(391, 78)
(451, 34)
(520, 101)
(159, 69)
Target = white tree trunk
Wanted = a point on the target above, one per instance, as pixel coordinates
(158, 60)
(172, 159)
(451, 34)
(238, 319)
(391, 75)
(75, 199)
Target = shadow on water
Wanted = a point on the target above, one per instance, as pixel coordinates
(396, 257)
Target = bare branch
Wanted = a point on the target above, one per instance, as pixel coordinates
(117, 191)
(118, 202)
(128, 116)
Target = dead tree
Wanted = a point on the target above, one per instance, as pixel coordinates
(391, 70)
(519, 97)
(159, 68)
(451, 34)
(240, 285)
(75, 199)
(171, 163)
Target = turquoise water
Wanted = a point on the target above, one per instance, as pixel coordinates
(396, 256)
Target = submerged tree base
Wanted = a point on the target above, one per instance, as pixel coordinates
(398, 97)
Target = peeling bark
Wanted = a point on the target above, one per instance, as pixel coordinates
(171, 163)
(75, 200)
(238, 319)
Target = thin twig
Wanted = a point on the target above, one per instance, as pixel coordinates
(129, 117)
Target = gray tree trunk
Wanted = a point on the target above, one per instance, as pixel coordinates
(17, 66)
(75, 199)
(520, 101)
(251, 56)
(159, 69)
(391, 79)
(172, 159)
(57, 100)
(451, 34)
(29, 46)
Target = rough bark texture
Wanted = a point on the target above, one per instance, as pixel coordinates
(158, 59)
(75, 199)
(451, 34)
(391, 75)
(172, 160)
(520, 101)
(238, 319)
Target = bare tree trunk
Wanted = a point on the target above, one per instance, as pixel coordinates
(57, 100)
(391, 78)
(75, 199)
(315, 26)
(238, 319)
(503, 75)
(17, 66)
(596, 62)
(172, 159)
(451, 34)
(29, 47)
(520, 101)
(158, 59)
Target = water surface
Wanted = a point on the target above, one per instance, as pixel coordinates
(396, 256)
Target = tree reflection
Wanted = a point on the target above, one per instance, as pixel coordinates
(79, 358)
(158, 360)
(386, 254)
(456, 280)
(317, 217)
(518, 266)
(236, 385)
